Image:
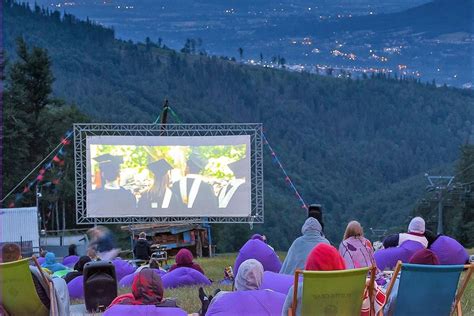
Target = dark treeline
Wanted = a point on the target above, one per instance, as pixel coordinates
(357, 146)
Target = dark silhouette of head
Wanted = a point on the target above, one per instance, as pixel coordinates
(109, 166)
(316, 211)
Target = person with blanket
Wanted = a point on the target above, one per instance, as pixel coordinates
(247, 299)
(51, 264)
(301, 247)
(355, 248)
(184, 258)
(147, 289)
(416, 232)
(12, 252)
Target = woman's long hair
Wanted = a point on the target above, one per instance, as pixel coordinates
(353, 229)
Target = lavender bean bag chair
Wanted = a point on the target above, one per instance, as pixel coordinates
(40, 260)
(184, 277)
(277, 282)
(449, 251)
(258, 302)
(143, 310)
(386, 259)
(70, 261)
(76, 288)
(122, 268)
(127, 280)
(260, 251)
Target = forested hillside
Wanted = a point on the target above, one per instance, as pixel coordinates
(343, 141)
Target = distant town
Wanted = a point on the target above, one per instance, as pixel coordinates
(339, 38)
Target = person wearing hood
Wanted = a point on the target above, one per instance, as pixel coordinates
(416, 232)
(147, 289)
(323, 257)
(78, 267)
(142, 250)
(301, 247)
(422, 256)
(248, 278)
(184, 259)
(51, 264)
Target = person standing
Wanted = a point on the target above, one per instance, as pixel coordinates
(142, 250)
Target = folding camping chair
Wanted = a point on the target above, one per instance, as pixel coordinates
(333, 292)
(428, 289)
(18, 294)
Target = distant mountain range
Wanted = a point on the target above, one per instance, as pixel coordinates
(360, 147)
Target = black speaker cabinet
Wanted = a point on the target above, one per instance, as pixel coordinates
(100, 285)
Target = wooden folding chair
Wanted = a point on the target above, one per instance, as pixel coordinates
(336, 292)
(18, 293)
(428, 289)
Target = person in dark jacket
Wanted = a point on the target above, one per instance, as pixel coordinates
(72, 250)
(316, 211)
(79, 269)
(142, 248)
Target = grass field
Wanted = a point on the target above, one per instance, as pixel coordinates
(187, 297)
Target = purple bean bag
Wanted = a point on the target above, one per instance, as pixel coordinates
(277, 282)
(143, 310)
(76, 288)
(127, 280)
(41, 260)
(184, 277)
(258, 302)
(122, 268)
(258, 250)
(70, 261)
(388, 258)
(449, 251)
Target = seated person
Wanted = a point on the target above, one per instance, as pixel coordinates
(249, 277)
(323, 257)
(79, 269)
(142, 250)
(355, 249)
(72, 250)
(416, 232)
(153, 264)
(51, 264)
(184, 258)
(423, 256)
(12, 252)
(261, 238)
(147, 289)
(301, 247)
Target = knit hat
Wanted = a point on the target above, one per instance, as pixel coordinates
(424, 256)
(324, 257)
(417, 225)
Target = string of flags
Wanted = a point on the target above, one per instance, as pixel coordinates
(288, 180)
(56, 162)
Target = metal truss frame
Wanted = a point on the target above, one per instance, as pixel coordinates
(254, 130)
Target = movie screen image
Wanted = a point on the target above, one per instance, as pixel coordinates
(168, 176)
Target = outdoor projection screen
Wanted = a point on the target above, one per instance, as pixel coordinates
(176, 173)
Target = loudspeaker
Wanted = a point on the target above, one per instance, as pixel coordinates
(100, 285)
